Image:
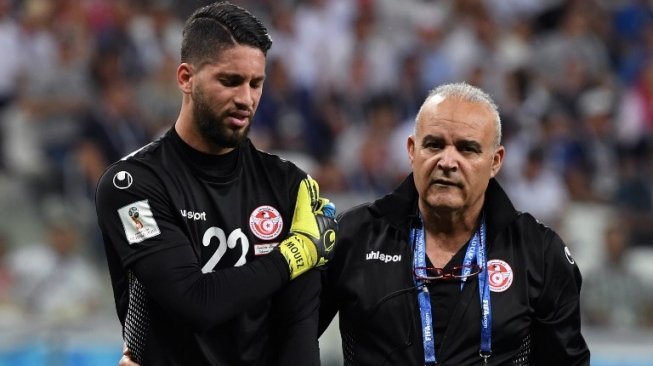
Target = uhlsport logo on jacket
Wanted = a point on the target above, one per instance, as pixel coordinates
(375, 254)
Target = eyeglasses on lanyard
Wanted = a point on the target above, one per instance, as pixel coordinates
(461, 272)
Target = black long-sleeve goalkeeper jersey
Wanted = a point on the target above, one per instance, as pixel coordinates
(189, 240)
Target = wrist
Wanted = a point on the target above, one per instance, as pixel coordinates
(300, 254)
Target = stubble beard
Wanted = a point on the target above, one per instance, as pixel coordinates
(212, 126)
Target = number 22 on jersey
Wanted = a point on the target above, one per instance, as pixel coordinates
(224, 242)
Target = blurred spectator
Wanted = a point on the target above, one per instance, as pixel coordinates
(156, 34)
(633, 28)
(398, 162)
(37, 38)
(436, 65)
(286, 118)
(564, 147)
(158, 97)
(631, 18)
(116, 46)
(111, 129)
(365, 152)
(462, 44)
(635, 112)
(539, 190)
(595, 107)
(585, 217)
(511, 11)
(331, 177)
(36, 47)
(54, 281)
(368, 48)
(319, 29)
(613, 295)
(570, 55)
(7, 282)
(518, 89)
(10, 63)
(285, 35)
(409, 91)
(51, 105)
(633, 197)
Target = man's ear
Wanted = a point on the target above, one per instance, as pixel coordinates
(410, 146)
(185, 77)
(497, 160)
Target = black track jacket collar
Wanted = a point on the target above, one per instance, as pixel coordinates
(400, 207)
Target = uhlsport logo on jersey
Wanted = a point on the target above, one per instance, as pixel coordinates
(499, 274)
(266, 222)
(138, 221)
(123, 180)
(193, 215)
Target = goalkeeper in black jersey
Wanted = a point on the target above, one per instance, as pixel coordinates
(211, 243)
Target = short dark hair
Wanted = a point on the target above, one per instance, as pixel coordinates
(218, 26)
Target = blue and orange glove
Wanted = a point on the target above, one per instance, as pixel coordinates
(312, 234)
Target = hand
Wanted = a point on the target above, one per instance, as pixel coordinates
(312, 235)
(125, 360)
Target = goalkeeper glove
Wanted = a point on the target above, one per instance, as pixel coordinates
(312, 234)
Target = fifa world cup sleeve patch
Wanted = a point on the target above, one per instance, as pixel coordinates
(138, 222)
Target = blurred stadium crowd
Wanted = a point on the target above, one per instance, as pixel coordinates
(85, 82)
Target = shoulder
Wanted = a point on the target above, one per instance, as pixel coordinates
(150, 152)
(355, 215)
(273, 160)
(122, 175)
(543, 247)
(358, 226)
(534, 231)
(362, 209)
(128, 181)
(537, 241)
(266, 165)
(144, 163)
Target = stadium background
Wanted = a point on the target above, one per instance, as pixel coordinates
(84, 82)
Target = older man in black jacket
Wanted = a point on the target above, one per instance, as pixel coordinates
(444, 270)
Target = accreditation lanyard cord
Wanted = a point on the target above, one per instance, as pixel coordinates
(476, 250)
